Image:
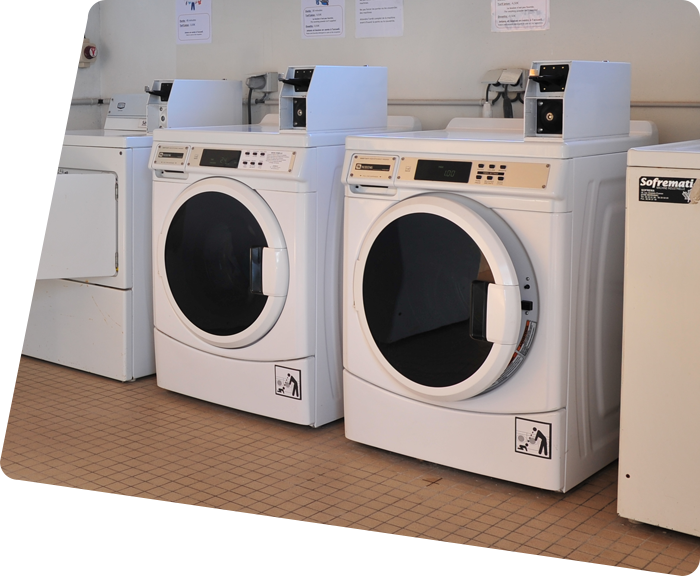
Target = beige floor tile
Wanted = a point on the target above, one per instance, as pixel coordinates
(74, 429)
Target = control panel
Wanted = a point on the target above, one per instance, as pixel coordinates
(476, 172)
(383, 170)
(174, 156)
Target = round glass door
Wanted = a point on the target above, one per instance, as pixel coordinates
(218, 238)
(208, 263)
(438, 291)
(417, 294)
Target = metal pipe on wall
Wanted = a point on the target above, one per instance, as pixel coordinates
(73, 102)
(400, 102)
(408, 102)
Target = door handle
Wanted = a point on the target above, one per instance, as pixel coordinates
(256, 284)
(269, 271)
(495, 312)
(479, 309)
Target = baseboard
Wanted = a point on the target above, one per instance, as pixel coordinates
(5, 322)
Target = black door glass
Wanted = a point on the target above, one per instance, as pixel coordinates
(207, 263)
(417, 291)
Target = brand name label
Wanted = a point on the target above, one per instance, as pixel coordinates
(674, 190)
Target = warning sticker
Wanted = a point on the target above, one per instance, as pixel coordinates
(288, 382)
(533, 438)
(673, 190)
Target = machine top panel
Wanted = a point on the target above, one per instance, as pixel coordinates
(108, 139)
(498, 138)
(673, 155)
(256, 135)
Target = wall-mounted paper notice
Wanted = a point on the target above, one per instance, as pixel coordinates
(193, 21)
(519, 15)
(377, 18)
(323, 18)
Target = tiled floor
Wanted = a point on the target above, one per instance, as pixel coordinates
(75, 429)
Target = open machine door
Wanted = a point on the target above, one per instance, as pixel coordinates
(81, 232)
(446, 296)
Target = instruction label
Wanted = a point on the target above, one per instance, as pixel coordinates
(288, 382)
(664, 189)
(193, 21)
(533, 438)
(378, 18)
(274, 160)
(323, 18)
(519, 15)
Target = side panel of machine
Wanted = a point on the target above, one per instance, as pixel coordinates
(596, 321)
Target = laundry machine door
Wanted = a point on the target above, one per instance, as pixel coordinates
(446, 296)
(223, 262)
(81, 232)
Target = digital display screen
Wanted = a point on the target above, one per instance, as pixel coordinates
(443, 171)
(220, 158)
(174, 155)
(373, 167)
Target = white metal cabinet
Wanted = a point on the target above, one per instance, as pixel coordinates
(660, 430)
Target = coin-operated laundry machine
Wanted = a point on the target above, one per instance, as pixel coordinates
(482, 305)
(92, 303)
(659, 427)
(247, 229)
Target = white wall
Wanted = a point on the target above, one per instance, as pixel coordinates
(446, 47)
(139, 43)
(37, 64)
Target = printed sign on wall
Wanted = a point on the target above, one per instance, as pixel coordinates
(193, 21)
(323, 18)
(378, 18)
(519, 15)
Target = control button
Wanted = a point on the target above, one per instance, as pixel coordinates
(255, 153)
(245, 162)
(247, 153)
(260, 163)
(526, 305)
(503, 167)
(501, 178)
(489, 177)
(262, 153)
(481, 165)
(479, 177)
(492, 166)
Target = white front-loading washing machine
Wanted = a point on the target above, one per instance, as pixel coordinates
(246, 266)
(483, 298)
(92, 303)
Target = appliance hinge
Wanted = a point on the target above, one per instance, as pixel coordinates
(116, 261)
